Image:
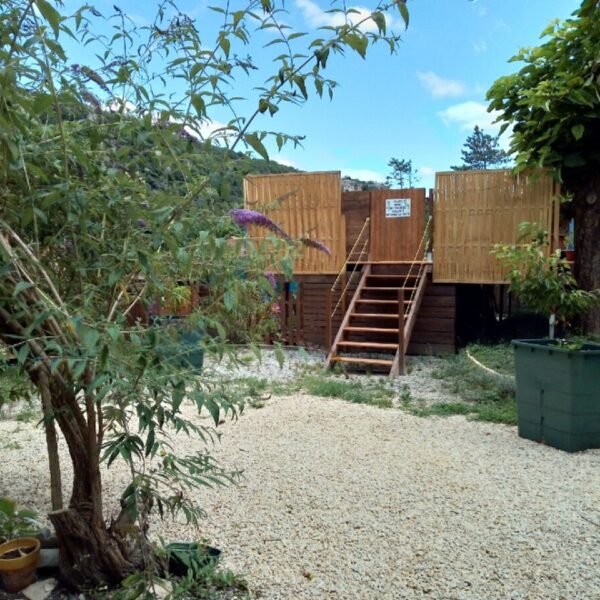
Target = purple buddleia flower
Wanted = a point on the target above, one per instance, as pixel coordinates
(315, 244)
(270, 277)
(140, 224)
(244, 217)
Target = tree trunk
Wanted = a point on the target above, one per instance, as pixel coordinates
(91, 554)
(586, 204)
(51, 442)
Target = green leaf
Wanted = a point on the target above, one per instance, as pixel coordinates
(89, 337)
(578, 131)
(50, 14)
(379, 20)
(144, 261)
(199, 104)
(300, 82)
(229, 300)
(254, 142)
(225, 45)
(21, 286)
(22, 354)
(279, 356)
(403, 12)
(214, 410)
(42, 103)
(358, 43)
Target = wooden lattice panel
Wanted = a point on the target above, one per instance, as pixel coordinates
(473, 210)
(303, 205)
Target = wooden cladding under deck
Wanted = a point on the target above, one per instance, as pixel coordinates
(433, 333)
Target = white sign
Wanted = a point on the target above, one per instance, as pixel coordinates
(397, 207)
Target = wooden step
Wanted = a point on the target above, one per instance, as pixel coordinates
(377, 345)
(370, 330)
(381, 302)
(368, 361)
(376, 315)
(378, 276)
(388, 289)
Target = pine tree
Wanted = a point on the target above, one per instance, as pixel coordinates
(402, 173)
(481, 151)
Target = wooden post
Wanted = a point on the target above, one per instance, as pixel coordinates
(401, 348)
(282, 311)
(300, 313)
(289, 315)
(431, 223)
(328, 320)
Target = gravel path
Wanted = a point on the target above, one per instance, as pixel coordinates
(350, 501)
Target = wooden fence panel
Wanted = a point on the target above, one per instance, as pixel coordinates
(356, 208)
(473, 210)
(397, 238)
(303, 205)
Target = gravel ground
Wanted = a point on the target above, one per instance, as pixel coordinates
(350, 501)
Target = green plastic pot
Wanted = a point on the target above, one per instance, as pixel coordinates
(558, 394)
(181, 345)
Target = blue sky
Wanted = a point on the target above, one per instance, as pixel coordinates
(421, 103)
(418, 104)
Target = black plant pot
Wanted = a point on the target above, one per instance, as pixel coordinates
(186, 556)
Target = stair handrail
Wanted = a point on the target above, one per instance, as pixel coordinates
(421, 264)
(347, 260)
(364, 230)
(363, 233)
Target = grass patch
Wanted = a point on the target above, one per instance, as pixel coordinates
(485, 397)
(499, 358)
(443, 409)
(251, 391)
(351, 391)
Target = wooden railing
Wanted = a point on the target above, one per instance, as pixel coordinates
(338, 292)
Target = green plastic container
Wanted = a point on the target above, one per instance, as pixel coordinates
(182, 346)
(558, 394)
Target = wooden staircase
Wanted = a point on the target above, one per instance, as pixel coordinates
(378, 323)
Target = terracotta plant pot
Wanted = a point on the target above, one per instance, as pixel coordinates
(18, 562)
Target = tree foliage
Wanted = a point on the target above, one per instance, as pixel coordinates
(402, 173)
(482, 151)
(542, 279)
(553, 106)
(107, 206)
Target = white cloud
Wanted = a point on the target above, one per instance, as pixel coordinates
(468, 114)
(286, 161)
(480, 47)
(363, 174)
(426, 171)
(317, 17)
(439, 87)
(204, 130)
